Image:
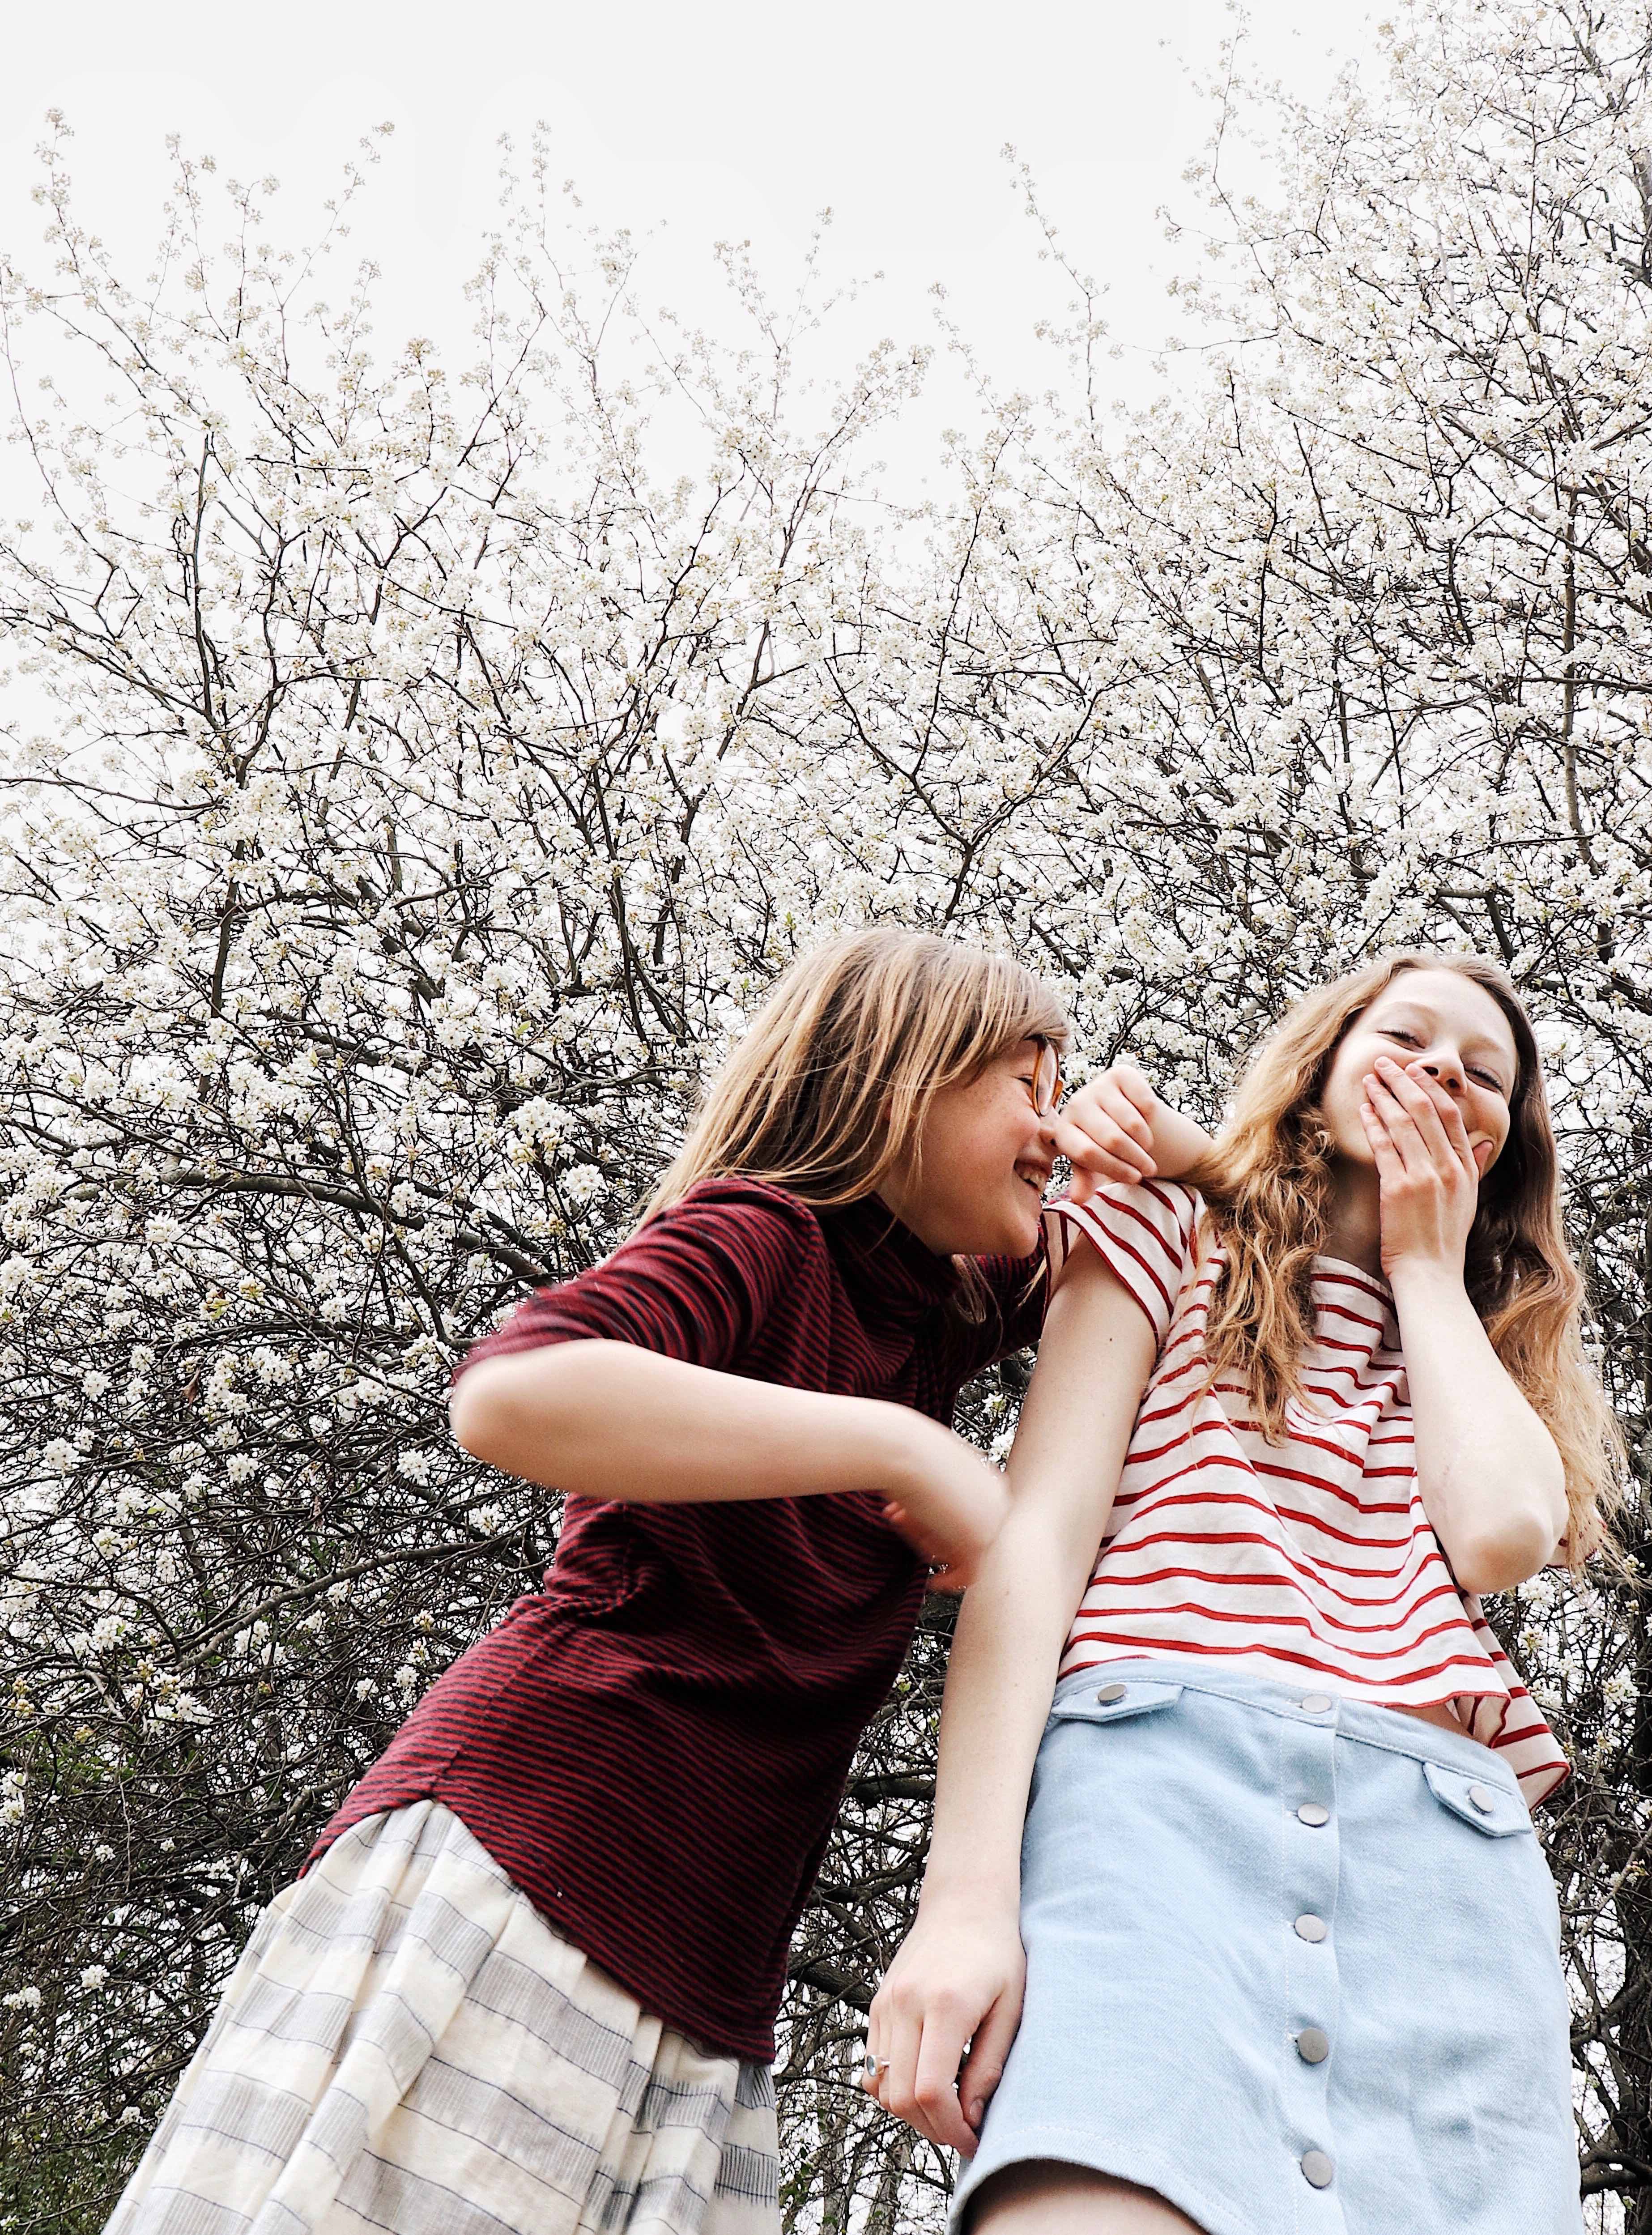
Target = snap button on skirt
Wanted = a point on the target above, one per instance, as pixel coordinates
(1292, 1962)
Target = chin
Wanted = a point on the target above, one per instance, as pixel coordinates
(1021, 1234)
(1353, 1151)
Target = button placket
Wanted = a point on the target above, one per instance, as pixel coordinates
(1306, 1929)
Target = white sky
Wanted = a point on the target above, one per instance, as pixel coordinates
(725, 119)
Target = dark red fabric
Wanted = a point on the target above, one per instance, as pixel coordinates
(654, 1744)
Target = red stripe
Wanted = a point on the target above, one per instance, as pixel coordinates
(1240, 1464)
(1111, 1580)
(1112, 1245)
(1287, 1621)
(1314, 1573)
(1273, 1653)
(1349, 1439)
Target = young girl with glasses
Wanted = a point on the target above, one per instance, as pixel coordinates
(527, 1984)
(1254, 1910)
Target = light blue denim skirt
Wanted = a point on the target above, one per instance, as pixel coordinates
(1292, 1962)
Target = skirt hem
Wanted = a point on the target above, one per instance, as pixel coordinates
(1061, 2145)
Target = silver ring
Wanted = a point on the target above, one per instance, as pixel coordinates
(873, 2067)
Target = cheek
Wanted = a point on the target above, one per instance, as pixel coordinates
(982, 1152)
(1344, 1085)
(1346, 1079)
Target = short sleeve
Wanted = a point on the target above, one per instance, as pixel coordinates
(1146, 1235)
(695, 1283)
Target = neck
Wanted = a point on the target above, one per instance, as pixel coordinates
(899, 1201)
(1353, 1217)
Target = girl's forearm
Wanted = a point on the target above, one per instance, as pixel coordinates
(1488, 1472)
(612, 1420)
(1179, 1144)
(1064, 1471)
(1002, 1673)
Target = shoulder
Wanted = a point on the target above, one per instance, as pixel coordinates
(730, 1199)
(1147, 1232)
(1163, 1211)
(756, 1225)
(697, 1281)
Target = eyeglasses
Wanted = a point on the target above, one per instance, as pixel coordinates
(1047, 1087)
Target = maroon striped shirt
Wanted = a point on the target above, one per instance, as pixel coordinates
(654, 1744)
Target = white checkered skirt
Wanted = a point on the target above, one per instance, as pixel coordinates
(406, 2044)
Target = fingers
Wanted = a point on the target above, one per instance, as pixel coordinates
(1390, 1168)
(1399, 1120)
(1132, 1083)
(1112, 1143)
(871, 2068)
(1106, 1130)
(1096, 1143)
(936, 2089)
(897, 2059)
(984, 2066)
(1422, 1119)
(1451, 1120)
(925, 2093)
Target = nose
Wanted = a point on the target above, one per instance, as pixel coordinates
(1443, 1067)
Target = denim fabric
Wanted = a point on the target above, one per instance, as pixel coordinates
(1164, 1870)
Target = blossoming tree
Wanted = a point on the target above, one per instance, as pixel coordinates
(414, 773)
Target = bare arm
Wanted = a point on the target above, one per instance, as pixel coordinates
(958, 1976)
(612, 1420)
(1488, 1472)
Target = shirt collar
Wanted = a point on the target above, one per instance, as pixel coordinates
(890, 1274)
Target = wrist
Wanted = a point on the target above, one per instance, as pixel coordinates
(974, 1897)
(1422, 1276)
(903, 1448)
(1179, 1143)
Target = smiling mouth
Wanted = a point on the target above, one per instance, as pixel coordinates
(1036, 1176)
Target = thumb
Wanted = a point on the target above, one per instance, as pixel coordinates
(1081, 1184)
(984, 2066)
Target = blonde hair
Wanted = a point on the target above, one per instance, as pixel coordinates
(826, 1092)
(1267, 1182)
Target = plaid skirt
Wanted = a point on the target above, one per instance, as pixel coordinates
(406, 2044)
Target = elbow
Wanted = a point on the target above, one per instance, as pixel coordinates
(491, 1414)
(1499, 1564)
(1500, 1559)
(473, 1414)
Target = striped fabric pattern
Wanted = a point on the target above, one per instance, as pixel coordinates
(406, 2046)
(1314, 1556)
(663, 1732)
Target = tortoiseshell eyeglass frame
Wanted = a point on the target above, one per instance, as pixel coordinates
(1046, 1088)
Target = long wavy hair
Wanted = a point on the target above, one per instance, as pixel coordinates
(826, 1092)
(1266, 1185)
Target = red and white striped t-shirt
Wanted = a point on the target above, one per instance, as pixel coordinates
(1310, 1557)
